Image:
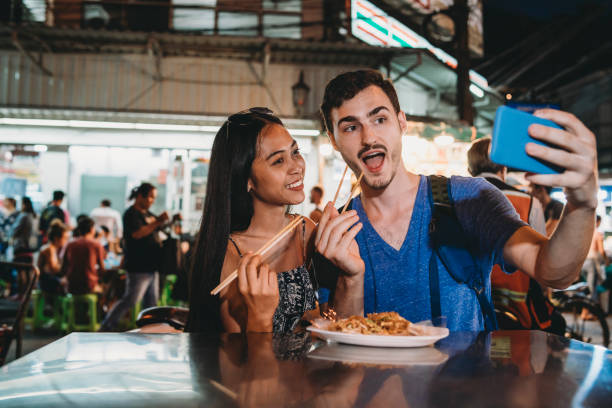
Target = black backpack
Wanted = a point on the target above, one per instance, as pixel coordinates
(49, 214)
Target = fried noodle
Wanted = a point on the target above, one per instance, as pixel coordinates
(385, 324)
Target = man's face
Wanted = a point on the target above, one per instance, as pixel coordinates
(368, 134)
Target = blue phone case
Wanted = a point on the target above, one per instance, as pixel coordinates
(510, 137)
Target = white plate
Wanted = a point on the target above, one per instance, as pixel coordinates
(378, 355)
(432, 334)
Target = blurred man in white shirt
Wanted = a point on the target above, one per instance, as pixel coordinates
(110, 218)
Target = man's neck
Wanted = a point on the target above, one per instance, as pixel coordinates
(400, 192)
(56, 203)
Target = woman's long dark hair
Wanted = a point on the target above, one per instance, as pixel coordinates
(26, 203)
(228, 207)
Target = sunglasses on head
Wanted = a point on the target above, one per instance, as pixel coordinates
(245, 117)
(247, 114)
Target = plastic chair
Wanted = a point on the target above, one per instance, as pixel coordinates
(71, 306)
(174, 316)
(14, 326)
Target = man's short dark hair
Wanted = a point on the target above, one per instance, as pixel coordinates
(346, 86)
(106, 202)
(85, 225)
(318, 190)
(12, 201)
(58, 195)
(478, 158)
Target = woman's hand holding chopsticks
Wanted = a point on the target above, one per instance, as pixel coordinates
(258, 286)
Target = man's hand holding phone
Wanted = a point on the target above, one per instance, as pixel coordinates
(574, 150)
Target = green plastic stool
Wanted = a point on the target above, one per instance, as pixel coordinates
(63, 313)
(166, 295)
(30, 318)
(91, 301)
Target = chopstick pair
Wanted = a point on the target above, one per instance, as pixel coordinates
(352, 190)
(261, 251)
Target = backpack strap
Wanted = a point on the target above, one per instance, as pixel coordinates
(451, 246)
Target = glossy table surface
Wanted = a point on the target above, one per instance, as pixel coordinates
(503, 369)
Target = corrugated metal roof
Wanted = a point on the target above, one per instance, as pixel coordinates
(127, 83)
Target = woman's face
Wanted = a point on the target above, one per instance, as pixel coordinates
(147, 200)
(277, 174)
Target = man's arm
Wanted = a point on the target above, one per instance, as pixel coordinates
(335, 240)
(557, 261)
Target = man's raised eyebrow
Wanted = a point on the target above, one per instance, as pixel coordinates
(354, 119)
(376, 110)
(281, 151)
(347, 119)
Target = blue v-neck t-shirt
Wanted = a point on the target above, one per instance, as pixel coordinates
(398, 280)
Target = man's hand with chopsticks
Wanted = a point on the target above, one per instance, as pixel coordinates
(335, 240)
(258, 286)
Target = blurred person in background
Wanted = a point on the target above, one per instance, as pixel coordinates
(22, 231)
(592, 270)
(141, 254)
(552, 208)
(84, 260)
(316, 197)
(52, 212)
(7, 219)
(105, 216)
(49, 259)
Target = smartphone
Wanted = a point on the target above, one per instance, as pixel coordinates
(510, 137)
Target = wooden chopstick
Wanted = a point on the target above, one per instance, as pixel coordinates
(261, 251)
(224, 389)
(339, 185)
(352, 192)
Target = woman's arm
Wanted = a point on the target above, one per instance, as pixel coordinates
(149, 228)
(55, 265)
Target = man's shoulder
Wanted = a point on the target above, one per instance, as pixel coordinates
(470, 187)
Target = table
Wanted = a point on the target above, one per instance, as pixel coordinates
(511, 368)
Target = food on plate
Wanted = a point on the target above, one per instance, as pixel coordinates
(384, 324)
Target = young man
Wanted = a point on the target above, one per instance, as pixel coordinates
(382, 247)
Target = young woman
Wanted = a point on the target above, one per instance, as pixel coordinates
(256, 172)
(49, 261)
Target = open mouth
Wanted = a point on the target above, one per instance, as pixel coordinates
(298, 185)
(373, 161)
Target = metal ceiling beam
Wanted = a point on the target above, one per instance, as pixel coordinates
(36, 61)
